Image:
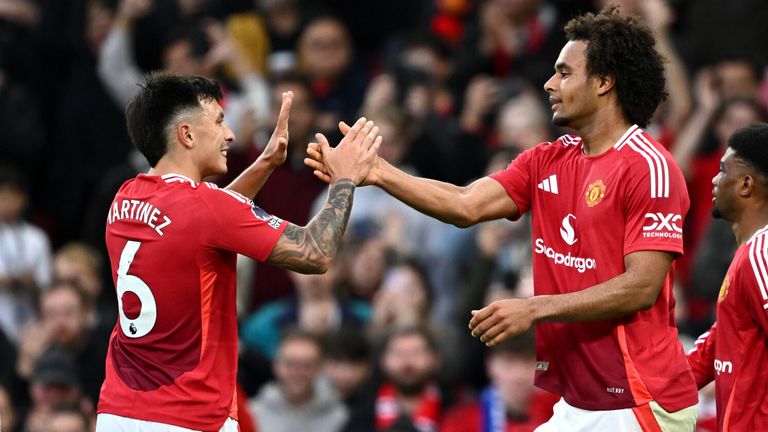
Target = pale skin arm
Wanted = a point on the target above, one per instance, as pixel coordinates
(252, 179)
(309, 249)
(634, 290)
(463, 206)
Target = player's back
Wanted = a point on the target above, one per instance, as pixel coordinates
(173, 353)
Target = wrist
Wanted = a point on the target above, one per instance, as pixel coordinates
(539, 307)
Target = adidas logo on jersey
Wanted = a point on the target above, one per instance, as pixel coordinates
(549, 184)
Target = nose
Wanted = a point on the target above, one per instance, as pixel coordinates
(549, 86)
(229, 136)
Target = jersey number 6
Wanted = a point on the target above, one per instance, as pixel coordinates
(143, 323)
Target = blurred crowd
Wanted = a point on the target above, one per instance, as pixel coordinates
(380, 341)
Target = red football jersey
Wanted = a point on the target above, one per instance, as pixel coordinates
(173, 245)
(734, 352)
(589, 212)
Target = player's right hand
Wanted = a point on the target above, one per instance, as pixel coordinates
(316, 162)
(354, 155)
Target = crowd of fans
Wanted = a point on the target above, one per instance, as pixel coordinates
(379, 342)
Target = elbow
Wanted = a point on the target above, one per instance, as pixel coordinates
(465, 217)
(647, 299)
(318, 265)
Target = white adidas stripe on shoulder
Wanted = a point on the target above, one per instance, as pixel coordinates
(178, 178)
(236, 196)
(758, 258)
(657, 164)
(569, 140)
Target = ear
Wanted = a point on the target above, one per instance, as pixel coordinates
(184, 135)
(747, 186)
(605, 84)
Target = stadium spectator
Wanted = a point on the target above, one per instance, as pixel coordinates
(326, 57)
(349, 365)
(315, 308)
(298, 400)
(511, 402)
(409, 397)
(25, 255)
(55, 381)
(66, 323)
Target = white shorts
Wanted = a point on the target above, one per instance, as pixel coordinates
(113, 423)
(646, 418)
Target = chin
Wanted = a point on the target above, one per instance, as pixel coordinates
(560, 121)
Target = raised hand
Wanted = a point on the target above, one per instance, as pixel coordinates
(317, 163)
(354, 155)
(276, 149)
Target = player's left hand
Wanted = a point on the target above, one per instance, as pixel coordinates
(501, 320)
(276, 150)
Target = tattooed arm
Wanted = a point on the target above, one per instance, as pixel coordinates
(310, 249)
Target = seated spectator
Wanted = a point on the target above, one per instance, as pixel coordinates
(81, 263)
(409, 397)
(326, 56)
(298, 401)
(510, 403)
(55, 381)
(348, 365)
(25, 255)
(65, 323)
(315, 309)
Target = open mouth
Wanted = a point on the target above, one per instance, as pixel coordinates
(224, 152)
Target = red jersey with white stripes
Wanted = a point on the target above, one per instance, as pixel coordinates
(734, 352)
(173, 245)
(588, 212)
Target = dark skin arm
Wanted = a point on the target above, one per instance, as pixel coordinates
(634, 290)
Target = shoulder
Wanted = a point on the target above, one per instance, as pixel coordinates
(215, 192)
(756, 251)
(645, 158)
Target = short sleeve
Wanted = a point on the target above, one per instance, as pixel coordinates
(656, 201)
(702, 356)
(754, 279)
(238, 225)
(516, 180)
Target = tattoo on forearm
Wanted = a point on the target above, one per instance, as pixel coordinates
(304, 248)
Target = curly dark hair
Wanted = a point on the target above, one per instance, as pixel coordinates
(623, 47)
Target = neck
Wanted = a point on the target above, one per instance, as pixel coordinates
(170, 166)
(750, 221)
(602, 132)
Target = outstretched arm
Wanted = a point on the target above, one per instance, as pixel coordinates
(463, 206)
(309, 249)
(634, 290)
(252, 179)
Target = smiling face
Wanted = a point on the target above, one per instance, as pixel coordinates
(212, 138)
(572, 91)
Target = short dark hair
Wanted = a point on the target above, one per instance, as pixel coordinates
(161, 98)
(348, 344)
(623, 47)
(750, 144)
(409, 330)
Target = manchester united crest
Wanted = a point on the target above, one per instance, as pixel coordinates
(595, 193)
(724, 289)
